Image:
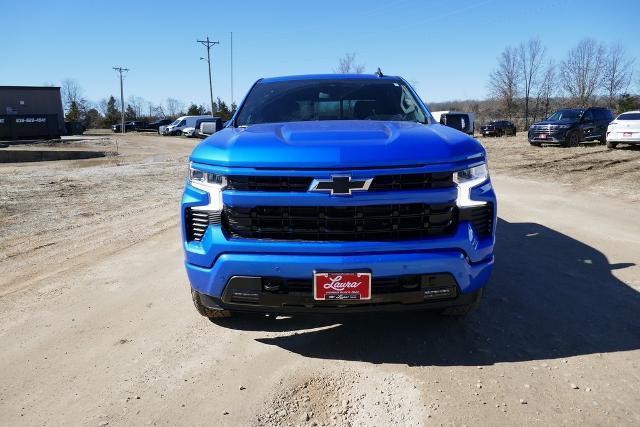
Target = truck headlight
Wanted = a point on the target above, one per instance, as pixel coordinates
(466, 180)
(211, 183)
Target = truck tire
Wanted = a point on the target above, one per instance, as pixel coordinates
(463, 310)
(611, 145)
(207, 312)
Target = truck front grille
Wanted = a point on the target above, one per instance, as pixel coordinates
(268, 183)
(341, 223)
(396, 182)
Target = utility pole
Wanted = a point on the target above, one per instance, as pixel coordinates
(121, 71)
(207, 43)
(232, 100)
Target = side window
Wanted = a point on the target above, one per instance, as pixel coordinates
(409, 106)
(182, 122)
(588, 116)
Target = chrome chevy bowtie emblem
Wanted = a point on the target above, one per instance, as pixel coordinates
(340, 185)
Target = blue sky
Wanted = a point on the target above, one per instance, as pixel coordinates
(447, 48)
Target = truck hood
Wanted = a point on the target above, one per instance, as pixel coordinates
(336, 144)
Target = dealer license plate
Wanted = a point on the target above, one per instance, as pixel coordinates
(543, 136)
(627, 134)
(341, 286)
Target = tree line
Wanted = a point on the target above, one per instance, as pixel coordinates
(106, 112)
(527, 84)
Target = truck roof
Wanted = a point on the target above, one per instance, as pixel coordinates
(328, 77)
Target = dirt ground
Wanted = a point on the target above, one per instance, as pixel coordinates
(589, 167)
(97, 326)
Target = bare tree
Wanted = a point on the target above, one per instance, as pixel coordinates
(137, 104)
(530, 60)
(174, 107)
(545, 91)
(581, 72)
(347, 64)
(158, 111)
(616, 73)
(102, 106)
(71, 91)
(504, 81)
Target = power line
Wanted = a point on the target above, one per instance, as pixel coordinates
(208, 43)
(121, 71)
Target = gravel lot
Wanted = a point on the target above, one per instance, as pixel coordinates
(586, 168)
(97, 326)
(52, 214)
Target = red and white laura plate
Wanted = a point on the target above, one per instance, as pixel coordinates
(341, 286)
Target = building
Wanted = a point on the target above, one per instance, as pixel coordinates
(31, 112)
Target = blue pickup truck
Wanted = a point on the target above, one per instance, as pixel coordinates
(337, 194)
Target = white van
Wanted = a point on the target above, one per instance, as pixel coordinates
(455, 119)
(181, 123)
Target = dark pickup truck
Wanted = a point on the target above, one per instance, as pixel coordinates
(155, 126)
(570, 126)
(498, 128)
(130, 126)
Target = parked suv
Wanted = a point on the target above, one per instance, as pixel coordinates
(498, 128)
(337, 193)
(569, 126)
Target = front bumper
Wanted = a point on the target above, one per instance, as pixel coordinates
(247, 294)
(212, 281)
(217, 259)
(553, 137)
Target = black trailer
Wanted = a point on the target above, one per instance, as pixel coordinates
(31, 112)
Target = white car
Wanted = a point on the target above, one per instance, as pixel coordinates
(624, 129)
(189, 132)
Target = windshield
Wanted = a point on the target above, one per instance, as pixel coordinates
(566, 116)
(175, 122)
(335, 99)
(629, 116)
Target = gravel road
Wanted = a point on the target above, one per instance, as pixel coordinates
(97, 326)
